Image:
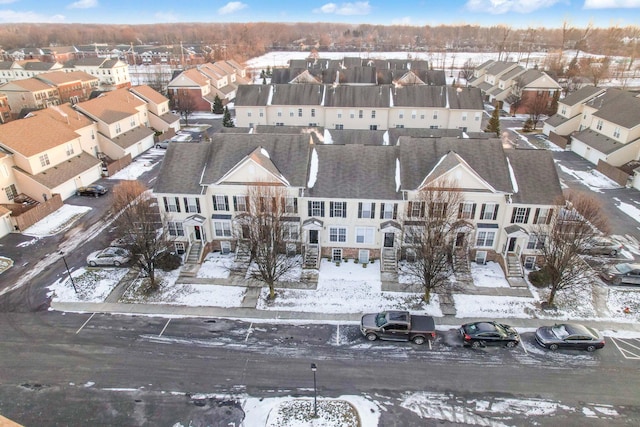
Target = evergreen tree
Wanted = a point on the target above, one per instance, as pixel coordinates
(217, 105)
(553, 108)
(494, 122)
(227, 121)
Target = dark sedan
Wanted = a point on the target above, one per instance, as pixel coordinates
(91, 190)
(481, 334)
(570, 336)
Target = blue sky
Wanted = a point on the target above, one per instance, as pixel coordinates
(516, 13)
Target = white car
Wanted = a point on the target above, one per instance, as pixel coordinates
(109, 256)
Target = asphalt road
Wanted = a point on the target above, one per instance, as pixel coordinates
(83, 369)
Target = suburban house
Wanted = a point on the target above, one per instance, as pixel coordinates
(18, 70)
(193, 87)
(123, 123)
(51, 162)
(74, 86)
(355, 201)
(29, 94)
(5, 109)
(514, 86)
(112, 73)
(160, 116)
(359, 107)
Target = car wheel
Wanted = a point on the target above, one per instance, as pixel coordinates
(617, 281)
(418, 340)
(512, 344)
(553, 347)
(95, 195)
(372, 337)
(613, 252)
(116, 263)
(591, 348)
(93, 264)
(476, 344)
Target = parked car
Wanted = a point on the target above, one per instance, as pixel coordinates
(109, 256)
(602, 246)
(163, 144)
(91, 190)
(481, 334)
(570, 336)
(622, 273)
(397, 325)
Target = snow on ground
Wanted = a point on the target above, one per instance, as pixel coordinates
(57, 221)
(592, 179)
(490, 306)
(216, 265)
(489, 275)
(92, 284)
(138, 166)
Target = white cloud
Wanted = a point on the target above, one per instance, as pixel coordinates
(12, 16)
(356, 8)
(83, 4)
(231, 7)
(611, 4)
(499, 7)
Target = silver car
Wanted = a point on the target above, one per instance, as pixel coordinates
(623, 273)
(109, 256)
(602, 246)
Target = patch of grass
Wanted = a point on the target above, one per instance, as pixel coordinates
(299, 413)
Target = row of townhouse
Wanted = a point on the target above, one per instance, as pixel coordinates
(53, 151)
(513, 85)
(359, 107)
(203, 83)
(47, 89)
(602, 125)
(356, 201)
(111, 73)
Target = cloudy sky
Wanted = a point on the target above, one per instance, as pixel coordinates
(516, 13)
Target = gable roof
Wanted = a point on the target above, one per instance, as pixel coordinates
(581, 95)
(112, 106)
(189, 77)
(30, 85)
(64, 113)
(536, 176)
(623, 110)
(296, 94)
(252, 95)
(26, 136)
(357, 96)
(62, 77)
(149, 94)
(468, 98)
(419, 96)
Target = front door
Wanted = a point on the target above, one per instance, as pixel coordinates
(512, 244)
(196, 231)
(388, 239)
(460, 240)
(313, 236)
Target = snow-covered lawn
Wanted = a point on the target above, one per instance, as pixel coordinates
(489, 275)
(56, 222)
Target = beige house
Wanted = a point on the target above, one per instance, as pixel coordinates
(24, 69)
(112, 73)
(30, 94)
(569, 115)
(355, 201)
(123, 123)
(160, 116)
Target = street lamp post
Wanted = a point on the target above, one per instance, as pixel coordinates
(314, 368)
(68, 272)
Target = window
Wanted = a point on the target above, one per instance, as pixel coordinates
(133, 121)
(69, 149)
(291, 112)
(118, 130)
(414, 114)
(373, 127)
(313, 112)
(249, 114)
(413, 234)
(336, 255)
(536, 241)
(467, 210)
(352, 113)
(338, 234)
(192, 204)
(616, 132)
(44, 160)
(520, 215)
(175, 228)
(365, 235)
(366, 210)
(299, 112)
(222, 228)
(485, 238)
(563, 110)
(339, 114)
(599, 125)
(389, 211)
(171, 204)
(290, 231)
(11, 191)
(338, 209)
(542, 216)
(477, 117)
(279, 124)
(220, 203)
(291, 205)
(261, 112)
(416, 209)
(433, 127)
(438, 209)
(339, 127)
(489, 211)
(399, 126)
(373, 114)
(464, 117)
(315, 208)
(360, 114)
(401, 114)
(421, 116)
(279, 112)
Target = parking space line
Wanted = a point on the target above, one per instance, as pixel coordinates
(248, 332)
(338, 335)
(165, 327)
(84, 324)
(625, 352)
(524, 348)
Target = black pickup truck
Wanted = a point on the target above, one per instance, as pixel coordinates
(398, 325)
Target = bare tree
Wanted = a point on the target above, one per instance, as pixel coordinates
(596, 69)
(184, 104)
(466, 72)
(266, 234)
(429, 232)
(140, 227)
(537, 105)
(576, 219)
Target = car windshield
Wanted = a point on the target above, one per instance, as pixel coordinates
(560, 331)
(381, 319)
(501, 330)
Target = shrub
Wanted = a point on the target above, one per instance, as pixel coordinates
(540, 278)
(168, 261)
